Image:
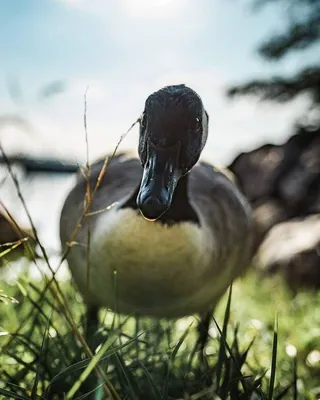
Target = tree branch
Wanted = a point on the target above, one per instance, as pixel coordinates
(281, 89)
(299, 36)
(257, 4)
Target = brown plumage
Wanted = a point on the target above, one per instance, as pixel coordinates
(179, 231)
(12, 241)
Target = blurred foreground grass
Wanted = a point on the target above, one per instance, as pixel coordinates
(38, 347)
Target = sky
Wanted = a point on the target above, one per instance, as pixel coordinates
(123, 50)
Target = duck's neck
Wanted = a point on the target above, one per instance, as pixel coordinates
(180, 210)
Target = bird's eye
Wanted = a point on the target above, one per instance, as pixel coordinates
(198, 122)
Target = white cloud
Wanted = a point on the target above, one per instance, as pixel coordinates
(152, 9)
(114, 103)
(134, 8)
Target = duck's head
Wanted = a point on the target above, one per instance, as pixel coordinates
(173, 132)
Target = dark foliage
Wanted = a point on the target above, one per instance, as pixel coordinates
(302, 32)
(283, 89)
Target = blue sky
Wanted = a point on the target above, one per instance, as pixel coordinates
(124, 50)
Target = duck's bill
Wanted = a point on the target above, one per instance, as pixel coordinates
(160, 177)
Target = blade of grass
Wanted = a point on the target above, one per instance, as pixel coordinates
(84, 363)
(126, 378)
(242, 380)
(222, 351)
(22, 288)
(283, 393)
(243, 356)
(12, 395)
(258, 381)
(295, 379)
(29, 365)
(154, 389)
(27, 344)
(165, 387)
(86, 395)
(88, 200)
(103, 170)
(274, 358)
(55, 289)
(172, 357)
(96, 359)
(180, 341)
(8, 299)
(45, 335)
(24, 390)
(12, 247)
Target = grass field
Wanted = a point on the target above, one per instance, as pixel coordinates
(42, 358)
(264, 344)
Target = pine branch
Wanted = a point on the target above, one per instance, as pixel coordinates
(257, 4)
(282, 89)
(299, 36)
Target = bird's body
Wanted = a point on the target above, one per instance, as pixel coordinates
(168, 234)
(178, 265)
(12, 240)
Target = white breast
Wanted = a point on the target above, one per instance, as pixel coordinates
(146, 267)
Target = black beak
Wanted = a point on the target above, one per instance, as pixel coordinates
(160, 177)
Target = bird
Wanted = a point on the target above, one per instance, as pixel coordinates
(168, 232)
(13, 240)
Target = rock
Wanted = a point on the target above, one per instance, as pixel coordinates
(282, 183)
(292, 248)
(288, 174)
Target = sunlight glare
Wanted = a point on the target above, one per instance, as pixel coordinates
(151, 8)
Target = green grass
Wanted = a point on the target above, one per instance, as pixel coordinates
(41, 358)
(264, 344)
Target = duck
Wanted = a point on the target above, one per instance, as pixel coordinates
(12, 241)
(168, 233)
